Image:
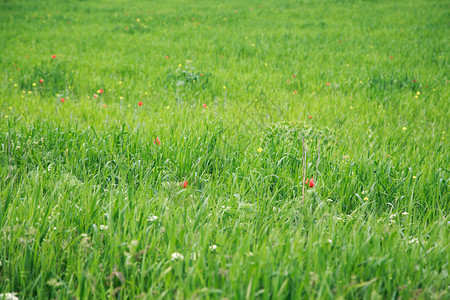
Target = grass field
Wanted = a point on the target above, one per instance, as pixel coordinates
(156, 149)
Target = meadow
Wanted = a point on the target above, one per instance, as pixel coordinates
(224, 149)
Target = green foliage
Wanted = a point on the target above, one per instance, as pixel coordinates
(174, 167)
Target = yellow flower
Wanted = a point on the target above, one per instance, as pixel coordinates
(167, 107)
(260, 149)
(366, 199)
(224, 87)
(34, 84)
(418, 93)
(15, 84)
(179, 65)
(414, 177)
(404, 128)
(351, 107)
(120, 82)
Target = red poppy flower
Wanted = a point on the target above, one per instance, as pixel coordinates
(328, 83)
(310, 182)
(167, 57)
(204, 105)
(295, 92)
(201, 74)
(140, 103)
(95, 96)
(53, 56)
(391, 57)
(310, 117)
(41, 81)
(293, 75)
(105, 106)
(100, 91)
(157, 141)
(184, 184)
(63, 100)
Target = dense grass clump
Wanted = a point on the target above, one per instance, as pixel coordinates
(165, 150)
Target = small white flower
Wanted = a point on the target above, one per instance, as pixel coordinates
(330, 241)
(405, 213)
(213, 247)
(152, 218)
(103, 227)
(413, 241)
(8, 296)
(177, 256)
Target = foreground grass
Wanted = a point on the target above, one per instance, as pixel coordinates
(92, 206)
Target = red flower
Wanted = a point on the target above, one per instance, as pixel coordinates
(293, 75)
(140, 103)
(414, 80)
(310, 117)
(295, 92)
(95, 96)
(157, 141)
(41, 81)
(184, 184)
(100, 91)
(391, 57)
(167, 57)
(53, 56)
(328, 83)
(201, 74)
(204, 105)
(310, 182)
(63, 100)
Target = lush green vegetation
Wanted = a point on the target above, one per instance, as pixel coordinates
(157, 149)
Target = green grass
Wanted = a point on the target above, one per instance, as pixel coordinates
(82, 181)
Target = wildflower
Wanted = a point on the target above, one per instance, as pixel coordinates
(405, 213)
(53, 56)
(213, 247)
(95, 96)
(104, 106)
(177, 256)
(100, 91)
(184, 184)
(295, 92)
(34, 83)
(310, 182)
(260, 150)
(167, 57)
(103, 227)
(328, 83)
(293, 75)
(41, 81)
(62, 100)
(140, 103)
(414, 80)
(366, 199)
(224, 87)
(152, 218)
(8, 296)
(414, 177)
(310, 117)
(204, 105)
(157, 141)
(404, 128)
(391, 57)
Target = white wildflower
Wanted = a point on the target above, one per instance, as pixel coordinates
(213, 247)
(8, 296)
(405, 213)
(152, 218)
(103, 227)
(413, 241)
(177, 256)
